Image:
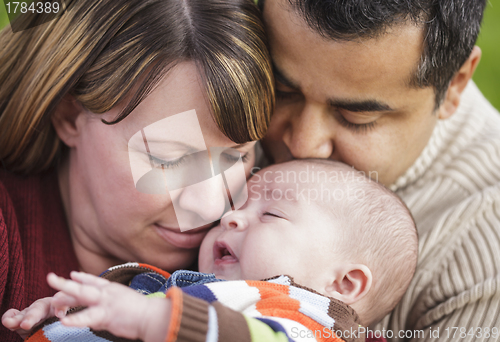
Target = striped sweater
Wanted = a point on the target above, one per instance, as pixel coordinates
(453, 191)
(273, 310)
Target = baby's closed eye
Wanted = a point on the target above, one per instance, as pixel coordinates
(273, 214)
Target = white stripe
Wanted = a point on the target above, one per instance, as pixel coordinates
(237, 295)
(313, 305)
(252, 311)
(282, 280)
(123, 265)
(213, 325)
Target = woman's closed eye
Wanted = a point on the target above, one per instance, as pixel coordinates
(160, 163)
(170, 164)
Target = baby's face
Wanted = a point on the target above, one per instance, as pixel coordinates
(278, 231)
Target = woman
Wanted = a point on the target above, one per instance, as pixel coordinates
(74, 92)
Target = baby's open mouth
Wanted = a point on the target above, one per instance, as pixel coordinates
(223, 253)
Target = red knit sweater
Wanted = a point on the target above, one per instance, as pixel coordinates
(34, 240)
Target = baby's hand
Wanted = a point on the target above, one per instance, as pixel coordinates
(111, 306)
(23, 321)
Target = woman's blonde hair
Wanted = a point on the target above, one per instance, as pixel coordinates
(106, 52)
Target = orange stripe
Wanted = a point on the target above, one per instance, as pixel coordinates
(156, 269)
(273, 297)
(275, 302)
(175, 297)
(39, 336)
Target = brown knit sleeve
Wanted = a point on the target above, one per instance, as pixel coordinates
(190, 320)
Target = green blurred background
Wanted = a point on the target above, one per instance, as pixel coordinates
(487, 75)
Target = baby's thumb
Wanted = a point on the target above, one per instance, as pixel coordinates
(60, 313)
(11, 319)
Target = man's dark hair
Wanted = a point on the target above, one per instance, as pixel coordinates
(451, 29)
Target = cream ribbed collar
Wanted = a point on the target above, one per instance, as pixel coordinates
(425, 160)
(452, 131)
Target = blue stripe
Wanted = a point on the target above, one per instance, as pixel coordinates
(200, 291)
(275, 326)
(60, 333)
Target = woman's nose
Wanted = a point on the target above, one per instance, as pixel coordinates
(205, 201)
(310, 133)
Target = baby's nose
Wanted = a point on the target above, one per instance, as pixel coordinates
(234, 220)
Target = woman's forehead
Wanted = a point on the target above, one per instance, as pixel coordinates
(177, 110)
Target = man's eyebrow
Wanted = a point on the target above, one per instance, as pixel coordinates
(361, 106)
(350, 105)
(281, 78)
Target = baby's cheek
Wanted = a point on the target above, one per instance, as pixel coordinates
(205, 265)
(205, 258)
(272, 262)
(255, 268)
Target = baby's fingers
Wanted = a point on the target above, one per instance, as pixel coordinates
(83, 294)
(12, 318)
(32, 315)
(88, 279)
(62, 302)
(90, 317)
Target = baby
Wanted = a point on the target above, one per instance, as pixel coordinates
(335, 249)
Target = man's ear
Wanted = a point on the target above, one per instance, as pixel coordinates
(458, 84)
(352, 282)
(64, 119)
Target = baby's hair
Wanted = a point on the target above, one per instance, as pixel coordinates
(379, 232)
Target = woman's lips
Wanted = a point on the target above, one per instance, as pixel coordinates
(188, 240)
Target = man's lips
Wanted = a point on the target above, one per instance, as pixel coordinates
(188, 239)
(223, 254)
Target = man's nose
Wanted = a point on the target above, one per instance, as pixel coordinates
(234, 220)
(310, 133)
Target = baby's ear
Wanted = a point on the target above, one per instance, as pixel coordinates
(351, 283)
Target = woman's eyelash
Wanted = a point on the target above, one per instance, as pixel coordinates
(175, 163)
(357, 128)
(167, 164)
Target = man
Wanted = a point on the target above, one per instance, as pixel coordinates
(385, 86)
